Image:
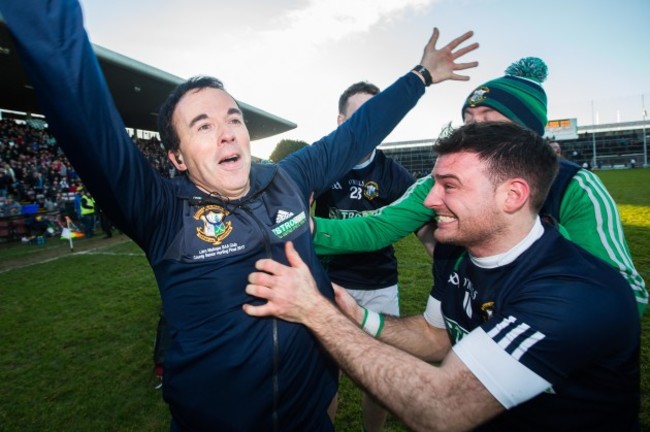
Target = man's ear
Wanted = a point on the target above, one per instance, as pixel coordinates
(340, 119)
(517, 194)
(176, 160)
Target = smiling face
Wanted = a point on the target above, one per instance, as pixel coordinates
(214, 143)
(466, 204)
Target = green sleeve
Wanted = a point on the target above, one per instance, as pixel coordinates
(589, 214)
(378, 228)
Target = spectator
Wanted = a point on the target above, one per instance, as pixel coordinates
(6, 179)
(518, 316)
(556, 148)
(63, 185)
(11, 207)
(50, 204)
(87, 212)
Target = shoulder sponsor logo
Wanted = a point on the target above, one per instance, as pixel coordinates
(213, 229)
(290, 225)
(282, 216)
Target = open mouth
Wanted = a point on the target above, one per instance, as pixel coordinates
(444, 219)
(229, 159)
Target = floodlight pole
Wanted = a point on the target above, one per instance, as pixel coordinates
(644, 114)
(593, 134)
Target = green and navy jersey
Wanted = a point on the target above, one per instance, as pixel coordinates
(548, 329)
(224, 370)
(368, 186)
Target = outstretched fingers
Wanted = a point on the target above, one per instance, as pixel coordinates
(460, 53)
(459, 40)
(433, 40)
(464, 50)
(441, 63)
(457, 77)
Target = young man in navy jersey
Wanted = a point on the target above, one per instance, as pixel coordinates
(370, 277)
(532, 331)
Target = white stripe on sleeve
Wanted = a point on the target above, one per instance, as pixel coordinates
(509, 381)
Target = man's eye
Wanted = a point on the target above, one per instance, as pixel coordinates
(204, 126)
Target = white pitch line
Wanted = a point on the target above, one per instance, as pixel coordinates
(90, 252)
(95, 251)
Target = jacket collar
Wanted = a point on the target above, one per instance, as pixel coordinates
(260, 177)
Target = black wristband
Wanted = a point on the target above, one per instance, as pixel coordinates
(425, 74)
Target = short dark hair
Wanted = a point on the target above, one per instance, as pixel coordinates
(360, 87)
(509, 151)
(168, 134)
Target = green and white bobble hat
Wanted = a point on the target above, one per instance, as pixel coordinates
(517, 95)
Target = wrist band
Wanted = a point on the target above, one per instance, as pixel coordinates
(373, 322)
(425, 74)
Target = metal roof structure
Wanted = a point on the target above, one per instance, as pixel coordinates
(138, 90)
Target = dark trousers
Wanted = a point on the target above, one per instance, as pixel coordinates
(107, 225)
(88, 221)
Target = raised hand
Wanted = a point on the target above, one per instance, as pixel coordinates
(441, 63)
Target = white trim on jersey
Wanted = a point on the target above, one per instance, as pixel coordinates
(494, 261)
(433, 313)
(509, 381)
(592, 185)
(366, 163)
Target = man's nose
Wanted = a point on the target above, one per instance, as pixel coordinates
(432, 200)
(227, 135)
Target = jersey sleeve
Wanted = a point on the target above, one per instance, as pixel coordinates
(509, 381)
(433, 313)
(317, 166)
(554, 328)
(590, 216)
(377, 229)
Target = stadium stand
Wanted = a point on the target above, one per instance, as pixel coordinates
(36, 174)
(618, 145)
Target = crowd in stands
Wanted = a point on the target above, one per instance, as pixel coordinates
(36, 177)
